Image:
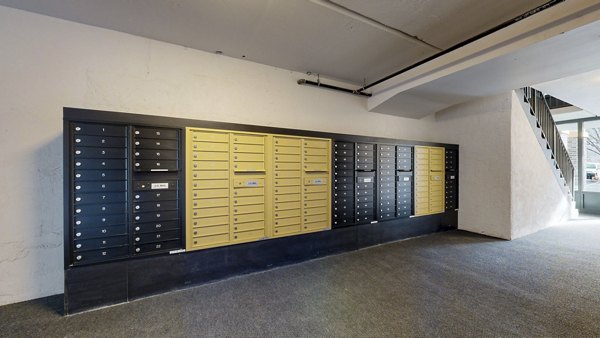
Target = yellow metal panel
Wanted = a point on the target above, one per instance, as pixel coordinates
(287, 213)
(212, 193)
(288, 221)
(287, 198)
(249, 148)
(248, 157)
(210, 165)
(315, 159)
(240, 192)
(288, 205)
(210, 146)
(316, 167)
(287, 141)
(207, 188)
(316, 226)
(315, 218)
(315, 188)
(248, 236)
(249, 226)
(317, 143)
(248, 200)
(288, 190)
(288, 158)
(210, 202)
(206, 136)
(210, 221)
(209, 231)
(249, 166)
(316, 180)
(288, 174)
(316, 196)
(316, 211)
(288, 166)
(248, 209)
(207, 241)
(248, 139)
(210, 175)
(282, 182)
(210, 184)
(210, 156)
(287, 230)
(316, 151)
(259, 216)
(314, 204)
(248, 182)
(287, 150)
(208, 212)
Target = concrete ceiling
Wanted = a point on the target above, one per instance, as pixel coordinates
(581, 90)
(554, 44)
(299, 35)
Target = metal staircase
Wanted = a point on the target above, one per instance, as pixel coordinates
(549, 137)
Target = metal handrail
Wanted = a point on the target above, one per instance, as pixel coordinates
(539, 108)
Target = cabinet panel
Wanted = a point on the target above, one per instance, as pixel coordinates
(249, 166)
(288, 158)
(287, 150)
(259, 216)
(288, 221)
(287, 230)
(210, 193)
(288, 166)
(210, 156)
(287, 205)
(284, 141)
(257, 225)
(288, 174)
(249, 148)
(210, 221)
(210, 202)
(248, 200)
(210, 165)
(317, 152)
(248, 139)
(210, 136)
(211, 231)
(314, 143)
(210, 146)
(210, 184)
(247, 236)
(249, 192)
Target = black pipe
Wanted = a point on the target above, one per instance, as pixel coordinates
(320, 84)
(466, 42)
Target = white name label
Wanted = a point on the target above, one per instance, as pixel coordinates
(252, 183)
(318, 181)
(406, 179)
(368, 180)
(160, 186)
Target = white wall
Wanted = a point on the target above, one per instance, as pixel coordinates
(46, 63)
(537, 200)
(482, 129)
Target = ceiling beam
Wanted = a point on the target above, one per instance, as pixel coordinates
(374, 23)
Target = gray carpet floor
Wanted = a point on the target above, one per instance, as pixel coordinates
(447, 284)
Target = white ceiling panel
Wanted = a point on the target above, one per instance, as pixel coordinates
(441, 23)
(581, 90)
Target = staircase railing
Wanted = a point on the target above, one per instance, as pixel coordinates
(539, 108)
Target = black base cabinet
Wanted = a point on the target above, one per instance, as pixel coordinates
(111, 283)
(124, 202)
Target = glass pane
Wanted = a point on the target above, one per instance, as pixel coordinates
(568, 133)
(591, 155)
